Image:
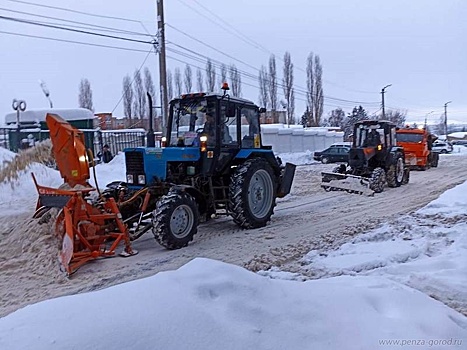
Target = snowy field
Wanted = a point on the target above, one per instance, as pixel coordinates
(371, 293)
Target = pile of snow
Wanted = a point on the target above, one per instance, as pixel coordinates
(426, 250)
(212, 305)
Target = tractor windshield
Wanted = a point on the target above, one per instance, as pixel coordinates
(188, 121)
(369, 136)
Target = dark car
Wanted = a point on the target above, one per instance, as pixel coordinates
(332, 154)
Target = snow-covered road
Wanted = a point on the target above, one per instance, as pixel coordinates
(308, 219)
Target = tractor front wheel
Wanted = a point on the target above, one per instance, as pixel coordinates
(252, 194)
(175, 220)
(395, 173)
(378, 180)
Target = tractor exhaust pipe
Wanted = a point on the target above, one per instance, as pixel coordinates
(150, 138)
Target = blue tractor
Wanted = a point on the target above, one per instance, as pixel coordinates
(210, 162)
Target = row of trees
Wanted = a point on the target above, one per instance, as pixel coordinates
(133, 94)
(178, 83)
(268, 94)
(337, 118)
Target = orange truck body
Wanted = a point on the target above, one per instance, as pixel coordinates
(417, 147)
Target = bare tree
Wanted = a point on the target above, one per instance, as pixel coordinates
(140, 96)
(85, 95)
(236, 81)
(318, 99)
(336, 118)
(272, 86)
(188, 78)
(178, 81)
(223, 74)
(310, 84)
(170, 88)
(127, 97)
(397, 117)
(199, 80)
(210, 76)
(288, 87)
(263, 87)
(149, 84)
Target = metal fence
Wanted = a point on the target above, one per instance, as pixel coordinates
(95, 139)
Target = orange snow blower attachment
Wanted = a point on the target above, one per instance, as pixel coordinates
(69, 151)
(88, 229)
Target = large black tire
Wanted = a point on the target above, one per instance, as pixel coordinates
(378, 180)
(252, 194)
(395, 172)
(434, 160)
(406, 178)
(175, 220)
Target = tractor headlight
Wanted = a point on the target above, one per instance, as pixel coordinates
(379, 147)
(164, 141)
(203, 143)
(129, 178)
(141, 179)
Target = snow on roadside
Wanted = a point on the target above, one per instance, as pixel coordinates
(426, 250)
(213, 305)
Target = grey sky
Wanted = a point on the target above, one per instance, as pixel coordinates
(418, 46)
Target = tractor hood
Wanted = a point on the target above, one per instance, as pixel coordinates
(152, 161)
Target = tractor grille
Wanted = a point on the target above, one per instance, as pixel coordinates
(134, 162)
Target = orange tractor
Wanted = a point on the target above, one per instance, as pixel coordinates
(417, 144)
(89, 228)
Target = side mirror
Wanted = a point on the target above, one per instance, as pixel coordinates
(230, 113)
(262, 110)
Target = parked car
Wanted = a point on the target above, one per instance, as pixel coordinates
(442, 147)
(460, 142)
(333, 154)
(342, 144)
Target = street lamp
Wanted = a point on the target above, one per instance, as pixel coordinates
(383, 90)
(446, 119)
(46, 92)
(426, 116)
(18, 106)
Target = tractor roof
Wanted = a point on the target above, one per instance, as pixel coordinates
(212, 95)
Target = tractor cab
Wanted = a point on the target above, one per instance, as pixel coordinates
(374, 133)
(222, 120)
(218, 125)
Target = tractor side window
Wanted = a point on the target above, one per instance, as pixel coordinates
(228, 125)
(250, 127)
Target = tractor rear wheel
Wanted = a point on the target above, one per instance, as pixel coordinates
(252, 194)
(406, 177)
(378, 180)
(175, 220)
(434, 160)
(395, 173)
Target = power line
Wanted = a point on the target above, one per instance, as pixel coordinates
(139, 70)
(79, 12)
(19, 20)
(252, 42)
(87, 25)
(71, 41)
(297, 88)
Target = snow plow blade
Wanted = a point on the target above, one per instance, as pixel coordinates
(346, 182)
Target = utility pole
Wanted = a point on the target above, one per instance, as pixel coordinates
(446, 119)
(162, 64)
(383, 90)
